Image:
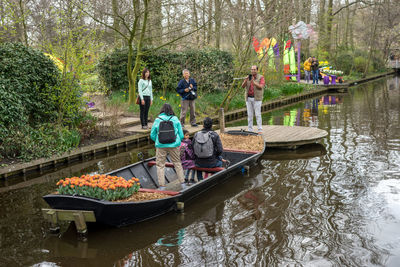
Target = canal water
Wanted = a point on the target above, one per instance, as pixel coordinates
(331, 204)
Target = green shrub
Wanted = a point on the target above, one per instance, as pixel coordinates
(359, 64)
(86, 125)
(38, 107)
(211, 68)
(28, 82)
(350, 61)
(291, 88)
(344, 61)
(271, 93)
(42, 141)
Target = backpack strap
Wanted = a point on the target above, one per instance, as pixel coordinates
(165, 120)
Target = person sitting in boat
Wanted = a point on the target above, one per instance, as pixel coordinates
(207, 148)
(167, 134)
(187, 157)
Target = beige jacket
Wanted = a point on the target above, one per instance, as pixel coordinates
(258, 92)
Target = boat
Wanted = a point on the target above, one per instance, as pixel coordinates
(81, 209)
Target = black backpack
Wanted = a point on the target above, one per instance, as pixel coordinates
(166, 132)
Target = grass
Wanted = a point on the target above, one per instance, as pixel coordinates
(206, 103)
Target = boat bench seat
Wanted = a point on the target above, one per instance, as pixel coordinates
(171, 165)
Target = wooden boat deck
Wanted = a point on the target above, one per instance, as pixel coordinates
(287, 136)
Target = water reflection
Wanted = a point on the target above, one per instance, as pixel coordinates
(303, 114)
(172, 240)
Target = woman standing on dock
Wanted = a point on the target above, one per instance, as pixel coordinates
(145, 89)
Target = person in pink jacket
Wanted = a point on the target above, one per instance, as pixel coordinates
(187, 157)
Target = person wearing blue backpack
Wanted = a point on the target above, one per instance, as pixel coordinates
(167, 134)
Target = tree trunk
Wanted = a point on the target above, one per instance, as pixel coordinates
(218, 21)
(321, 24)
(135, 71)
(116, 19)
(346, 28)
(371, 47)
(351, 27)
(329, 19)
(210, 24)
(196, 22)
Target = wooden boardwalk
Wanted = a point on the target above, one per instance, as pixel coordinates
(289, 137)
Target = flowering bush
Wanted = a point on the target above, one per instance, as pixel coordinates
(99, 186)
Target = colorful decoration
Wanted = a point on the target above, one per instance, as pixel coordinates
(301, 30)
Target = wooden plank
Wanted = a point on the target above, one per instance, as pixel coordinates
(54, 215)
(287, 136)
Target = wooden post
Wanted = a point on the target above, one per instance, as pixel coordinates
(221, 120)
(80, 223)
(52, 218)
(180, 206)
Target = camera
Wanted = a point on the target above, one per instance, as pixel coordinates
(250, 77)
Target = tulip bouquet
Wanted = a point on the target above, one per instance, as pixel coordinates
(99, 186)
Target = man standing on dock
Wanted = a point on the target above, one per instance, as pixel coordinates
(315, 70)
(254, 85)
(187, 88)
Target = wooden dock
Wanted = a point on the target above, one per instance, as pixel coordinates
(289, 137)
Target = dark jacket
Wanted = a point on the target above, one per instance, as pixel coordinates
(211, 161)
(314, 64)
(182, 85)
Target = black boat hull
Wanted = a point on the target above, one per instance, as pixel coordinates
(114, 213)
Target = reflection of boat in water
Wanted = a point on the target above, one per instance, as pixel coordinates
(302, 152)
(125, 213)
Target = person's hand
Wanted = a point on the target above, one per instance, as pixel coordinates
(187, 90)
(191, 86)
(143, 102)
(223, 160)
(151, 102)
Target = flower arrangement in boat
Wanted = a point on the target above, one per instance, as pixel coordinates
(99, 186)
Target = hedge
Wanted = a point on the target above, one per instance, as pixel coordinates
(211, 68)
(27, 82)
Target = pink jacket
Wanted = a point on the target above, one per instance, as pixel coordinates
(187, 154)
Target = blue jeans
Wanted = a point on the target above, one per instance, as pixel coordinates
(307, 76)
(187, 174)
(315, 75)
(200, 174)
